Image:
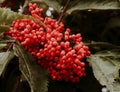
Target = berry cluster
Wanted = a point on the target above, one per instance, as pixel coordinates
(55, 48)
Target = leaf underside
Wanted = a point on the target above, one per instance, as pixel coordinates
(106, 67)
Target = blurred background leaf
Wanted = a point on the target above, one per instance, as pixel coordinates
(1, 1)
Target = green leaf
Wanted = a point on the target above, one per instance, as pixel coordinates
(34, 74)
(4, 28)
(93, 5)
(2, 45)
(106, 67)
(7, 16)
(5, 58)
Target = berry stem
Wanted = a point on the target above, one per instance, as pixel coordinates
(63, 11)
(10, 46)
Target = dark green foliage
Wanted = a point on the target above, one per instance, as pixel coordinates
(34, 74)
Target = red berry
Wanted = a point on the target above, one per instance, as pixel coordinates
(55, 49)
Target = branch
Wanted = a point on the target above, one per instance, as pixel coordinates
(63, 11)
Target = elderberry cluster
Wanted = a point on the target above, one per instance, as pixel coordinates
(55, 48)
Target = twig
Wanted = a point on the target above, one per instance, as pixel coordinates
(10, 46)
(63, 11)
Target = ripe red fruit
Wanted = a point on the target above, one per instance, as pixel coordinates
(52, 46)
